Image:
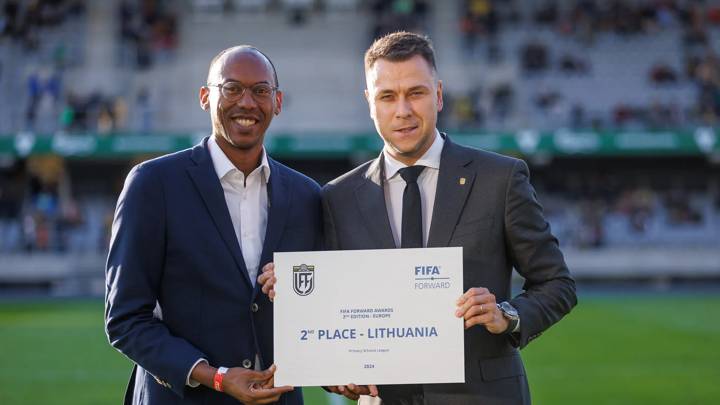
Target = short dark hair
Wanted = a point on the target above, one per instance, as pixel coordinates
(243, 47)
(400, 46)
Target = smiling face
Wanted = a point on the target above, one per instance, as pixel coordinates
(240, 123)
(404, 99)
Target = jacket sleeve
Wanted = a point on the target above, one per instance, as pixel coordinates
(549, 290)
(134, 271)
(329, 231)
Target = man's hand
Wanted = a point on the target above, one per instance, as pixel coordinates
(248, 386)
(353, 392)
(253, 387)
(267, 280)
(478, 307)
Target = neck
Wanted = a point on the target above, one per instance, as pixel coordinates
(410, 158)
(404, 159)
(245, 160)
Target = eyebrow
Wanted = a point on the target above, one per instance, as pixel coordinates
(418, 87)
(238, 81)
(411, 89)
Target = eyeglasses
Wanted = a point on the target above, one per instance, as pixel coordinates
(233, 91)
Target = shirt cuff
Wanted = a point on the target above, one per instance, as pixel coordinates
(190, 382)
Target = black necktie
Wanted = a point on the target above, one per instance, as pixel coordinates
(412, 230)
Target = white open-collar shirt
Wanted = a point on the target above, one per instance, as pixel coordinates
(247, 202)
(394, 186)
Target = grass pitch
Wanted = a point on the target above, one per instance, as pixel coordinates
(613, 349)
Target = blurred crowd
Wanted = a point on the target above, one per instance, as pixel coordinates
(23, 21)
(51, 110)
(482, 23)
(598, 211)
(148, 32)
(40, 213)
(148, 35)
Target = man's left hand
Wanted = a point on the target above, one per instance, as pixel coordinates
(267, 280)
(353, 392)
(478, 307)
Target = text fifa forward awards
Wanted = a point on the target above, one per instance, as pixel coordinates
(368, 317)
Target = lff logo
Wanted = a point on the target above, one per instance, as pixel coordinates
(303, 279)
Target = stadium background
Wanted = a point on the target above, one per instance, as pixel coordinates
(614, 105)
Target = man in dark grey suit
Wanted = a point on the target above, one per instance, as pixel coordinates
(426, 191)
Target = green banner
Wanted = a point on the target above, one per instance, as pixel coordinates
(698, 142)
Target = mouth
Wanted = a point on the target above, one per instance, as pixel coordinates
(406, 130)
(244, 122)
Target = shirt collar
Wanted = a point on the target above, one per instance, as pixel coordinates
(431, 158)
(223, 165)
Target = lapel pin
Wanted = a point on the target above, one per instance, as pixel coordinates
(462, 181)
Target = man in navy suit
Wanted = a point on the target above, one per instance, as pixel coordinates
(191, 230)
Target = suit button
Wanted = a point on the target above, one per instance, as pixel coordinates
(254, 307)
(247, 363)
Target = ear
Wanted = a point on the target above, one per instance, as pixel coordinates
(439, 96)
(204, 98)
(278, 102)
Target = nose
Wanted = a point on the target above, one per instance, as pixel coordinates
(246, 100)
(403, 109)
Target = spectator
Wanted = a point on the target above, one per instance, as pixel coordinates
(480, 23)
(11, 197)
(143, 111)
(398, 15)
(298, 11)
(534, 55)
(547, 14)
(43, 88)
(662, 74)
(503, 99)
(571, 64)
(707, 79)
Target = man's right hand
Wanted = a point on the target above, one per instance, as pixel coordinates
(248, 386)
(253, 387)
(353, 392)
(267, 280)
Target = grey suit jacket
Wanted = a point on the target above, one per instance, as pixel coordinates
(498, 221)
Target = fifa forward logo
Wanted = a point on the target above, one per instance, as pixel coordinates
(303, 279)
(429, 277)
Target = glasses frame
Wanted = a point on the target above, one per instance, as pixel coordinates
(220, 87)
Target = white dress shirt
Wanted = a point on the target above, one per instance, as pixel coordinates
(394, 186)
(247, 202)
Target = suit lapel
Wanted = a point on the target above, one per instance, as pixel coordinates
(210, 189)
(455, 180)
(279, 196)
(371, 200)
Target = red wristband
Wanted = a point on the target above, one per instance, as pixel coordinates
(218, 378)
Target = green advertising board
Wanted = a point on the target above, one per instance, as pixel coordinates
(698, 142)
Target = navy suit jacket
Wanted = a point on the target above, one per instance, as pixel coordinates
(177, 288)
